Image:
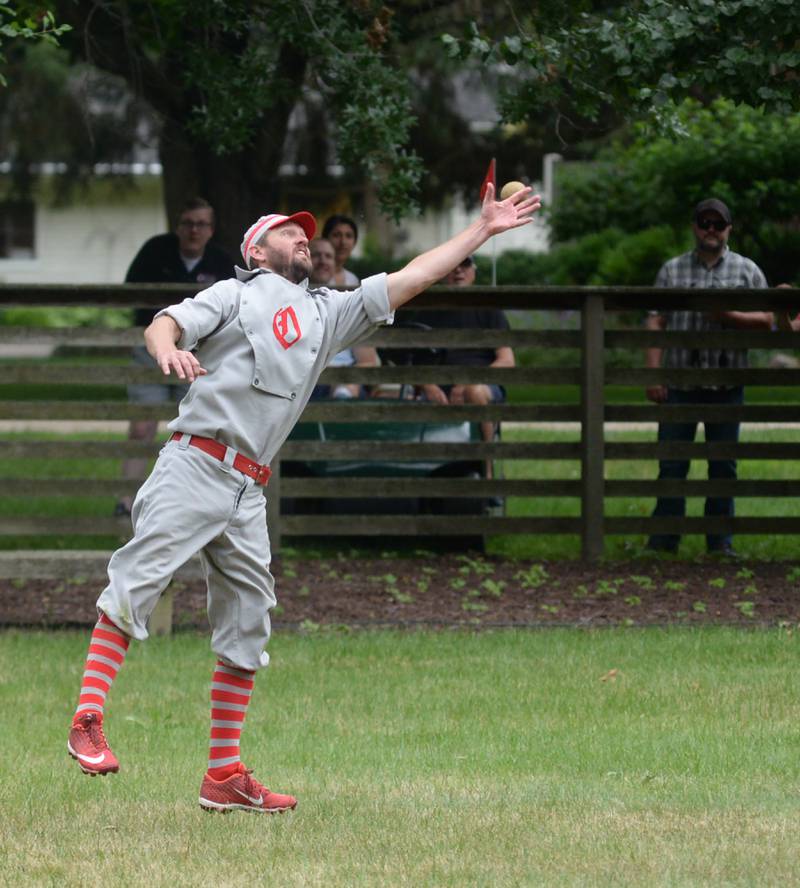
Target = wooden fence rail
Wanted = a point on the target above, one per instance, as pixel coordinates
(97, 358)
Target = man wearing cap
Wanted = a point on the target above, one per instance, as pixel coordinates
(710, 264)
(252, 349)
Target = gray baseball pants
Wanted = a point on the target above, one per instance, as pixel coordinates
(193, 503)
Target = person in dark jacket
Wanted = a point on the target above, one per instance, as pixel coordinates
(185, 256)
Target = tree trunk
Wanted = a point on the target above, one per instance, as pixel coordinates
(241, 186)
(180, 176)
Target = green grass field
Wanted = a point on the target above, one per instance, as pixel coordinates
(420, 759)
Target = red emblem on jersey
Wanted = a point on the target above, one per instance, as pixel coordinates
(286, 327)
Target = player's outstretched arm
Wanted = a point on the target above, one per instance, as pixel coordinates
(160, 338)
(431, 266)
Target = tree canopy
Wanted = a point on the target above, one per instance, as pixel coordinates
(256, 102)
(26, 22)
(226, 77)
(261, 103)
(641, 57)
(744, 156)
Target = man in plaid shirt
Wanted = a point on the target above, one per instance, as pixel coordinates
(710, 264)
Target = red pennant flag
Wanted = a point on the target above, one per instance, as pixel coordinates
(490, 177)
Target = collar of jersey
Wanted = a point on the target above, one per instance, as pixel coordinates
(247, 274)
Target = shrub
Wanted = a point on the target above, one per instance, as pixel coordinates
(744, 156)
(635, 259)
(578, 260)
(515, 267)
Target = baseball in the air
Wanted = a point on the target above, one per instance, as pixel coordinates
(510, 188)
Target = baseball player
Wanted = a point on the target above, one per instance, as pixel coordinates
(252, 349)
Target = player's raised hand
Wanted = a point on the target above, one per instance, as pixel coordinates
(431, 266)
(514, 211)
(184, 363)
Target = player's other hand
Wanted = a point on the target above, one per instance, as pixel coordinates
(184, 363)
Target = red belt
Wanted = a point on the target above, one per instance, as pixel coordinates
(241, 463)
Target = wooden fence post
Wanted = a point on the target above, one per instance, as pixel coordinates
(592, 413)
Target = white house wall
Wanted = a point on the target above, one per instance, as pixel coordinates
(94, 244)
(85, 244)
(417, 235)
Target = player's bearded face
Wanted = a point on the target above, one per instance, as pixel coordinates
(286, 253)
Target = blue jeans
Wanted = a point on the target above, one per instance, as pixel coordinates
(678, 469)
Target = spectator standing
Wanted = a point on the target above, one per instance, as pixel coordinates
(342, 232)
(710, 264)
(184, 256)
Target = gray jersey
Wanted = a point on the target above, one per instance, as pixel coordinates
(264, 342)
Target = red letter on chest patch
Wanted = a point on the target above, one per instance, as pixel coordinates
(286, 327)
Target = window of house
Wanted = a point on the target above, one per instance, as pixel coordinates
(17, 229)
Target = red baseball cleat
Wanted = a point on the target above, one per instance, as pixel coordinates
(242, 791)
(88, 746)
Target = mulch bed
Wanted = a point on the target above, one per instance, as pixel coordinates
(467, 590)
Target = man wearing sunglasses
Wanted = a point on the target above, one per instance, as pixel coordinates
(710, 264)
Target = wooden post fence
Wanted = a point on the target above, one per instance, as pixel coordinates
(95, 360)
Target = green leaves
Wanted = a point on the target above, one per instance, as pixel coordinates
(373, 127)
(451, 45)
(43, 27)
(646, 183)
(639, 58)
(247, 86)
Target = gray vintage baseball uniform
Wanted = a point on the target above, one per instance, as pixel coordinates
(264, 342)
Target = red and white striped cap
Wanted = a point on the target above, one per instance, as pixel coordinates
(305, 220)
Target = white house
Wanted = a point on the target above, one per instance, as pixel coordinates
(89, 241)
(94, 239)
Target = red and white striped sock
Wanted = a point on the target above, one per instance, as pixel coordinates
(230, 696)
(107, 650)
